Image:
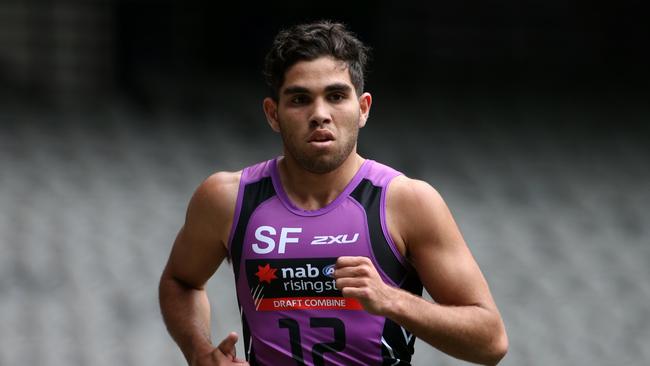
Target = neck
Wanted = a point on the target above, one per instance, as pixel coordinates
(311, 191)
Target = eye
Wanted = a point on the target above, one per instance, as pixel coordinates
(299, 99)
(337, 97)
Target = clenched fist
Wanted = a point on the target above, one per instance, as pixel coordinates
(358, 278)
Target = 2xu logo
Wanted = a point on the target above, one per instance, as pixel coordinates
(338, 239)
(266, 235)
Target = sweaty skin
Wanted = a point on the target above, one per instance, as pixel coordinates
(318, 115)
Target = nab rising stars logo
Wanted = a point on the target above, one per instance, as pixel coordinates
(266, 273)
(329, 270)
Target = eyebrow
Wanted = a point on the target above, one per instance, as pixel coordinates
(338, 87)
(330, 88)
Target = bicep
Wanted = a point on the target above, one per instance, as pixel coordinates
(194, 258)
(200, 246)
(439, 253)
(450, 274)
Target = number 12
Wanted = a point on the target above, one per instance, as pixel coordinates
(319, 348)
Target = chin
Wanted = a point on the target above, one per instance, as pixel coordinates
(321, 165)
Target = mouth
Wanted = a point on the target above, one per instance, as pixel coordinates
(321, 136)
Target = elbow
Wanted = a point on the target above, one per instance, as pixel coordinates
(170, 287)
(174, 285)
(166, 283)
(166, 288)
(497, 348)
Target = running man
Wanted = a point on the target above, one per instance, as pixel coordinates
(330, 250)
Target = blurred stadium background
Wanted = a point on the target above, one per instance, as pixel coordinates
(530, 119)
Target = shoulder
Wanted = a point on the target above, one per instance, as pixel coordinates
(213, 203)
(412, 194)
(414, 210)
(219, 187)
(200, 245)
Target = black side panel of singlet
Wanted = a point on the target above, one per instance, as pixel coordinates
(254, 195)
(400, 347)
(247, 342)
(369, 196)
(400, 340)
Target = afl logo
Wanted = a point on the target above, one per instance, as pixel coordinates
(329, 270)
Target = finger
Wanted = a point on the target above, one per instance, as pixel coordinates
(343, 283)
(227, 346)
(355, 293)
(347, 261)
(356, 271)
(240, 361)
(349, 283)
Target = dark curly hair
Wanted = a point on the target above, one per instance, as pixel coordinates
(306, 42)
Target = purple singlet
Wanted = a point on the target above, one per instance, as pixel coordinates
(283, 259)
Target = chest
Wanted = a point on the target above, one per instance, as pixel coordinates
(273, 232)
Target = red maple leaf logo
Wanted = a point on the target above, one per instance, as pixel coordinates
(266, 273)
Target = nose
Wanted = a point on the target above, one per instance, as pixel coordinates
(320, 113)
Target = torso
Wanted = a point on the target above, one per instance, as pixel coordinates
(283, 260)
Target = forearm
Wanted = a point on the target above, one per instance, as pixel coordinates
(186, 312)
(471, 333)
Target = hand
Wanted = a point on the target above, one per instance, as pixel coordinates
(358, 278)
(224, 354)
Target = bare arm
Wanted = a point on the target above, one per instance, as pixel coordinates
(464, 321)
(198, 250)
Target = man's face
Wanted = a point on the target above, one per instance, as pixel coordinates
(318, 114)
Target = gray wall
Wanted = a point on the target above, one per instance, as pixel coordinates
(557, 219)
(531, 121)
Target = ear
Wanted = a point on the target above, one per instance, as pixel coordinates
(365, 101)
(270, 107)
